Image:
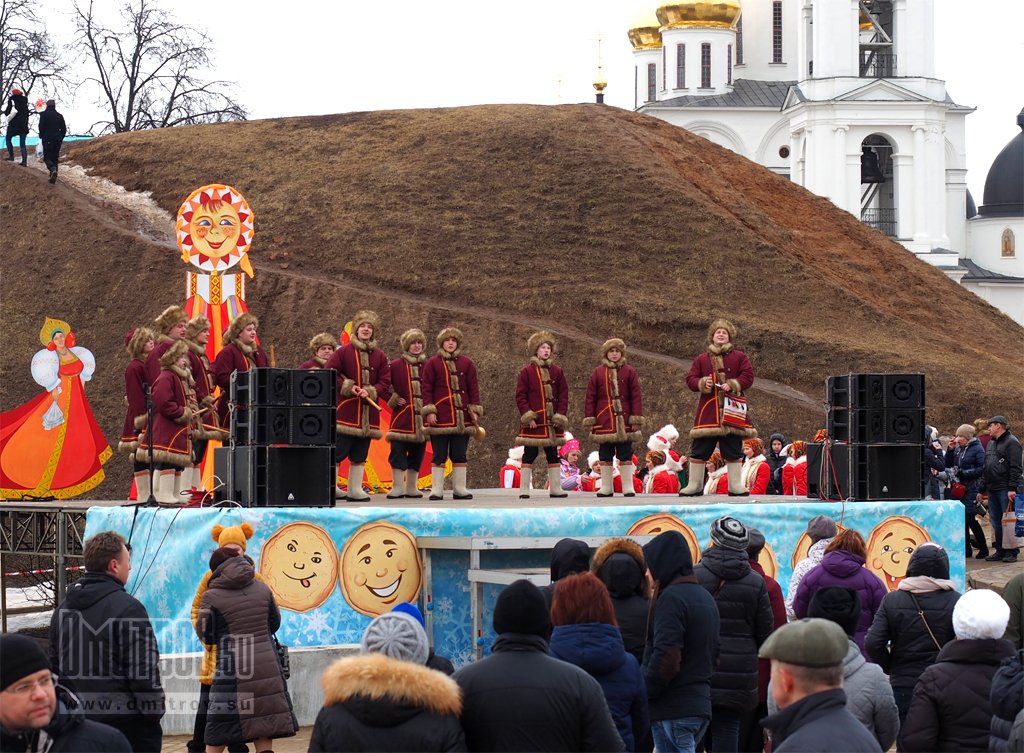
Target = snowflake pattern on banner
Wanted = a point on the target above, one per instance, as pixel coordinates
(332, 602)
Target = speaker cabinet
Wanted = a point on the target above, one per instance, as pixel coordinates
(272, 424)
(284, 476)
(876, 425)
(261, 386)
(314, 387)
(864, 471)
(876, 391)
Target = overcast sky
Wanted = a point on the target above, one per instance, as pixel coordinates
(327, 56)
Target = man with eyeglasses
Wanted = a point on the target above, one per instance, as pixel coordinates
(36, 714)
(103, 647)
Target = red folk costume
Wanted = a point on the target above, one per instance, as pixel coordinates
(360, 364)
(728, 366)
(407, 420)
(450, 389)
(794, 472)
(235, 356)
(135, 390)
(542, 396)
(319, 341)
(174, 406)
(169, 318)
(614, 402)
(202, 376)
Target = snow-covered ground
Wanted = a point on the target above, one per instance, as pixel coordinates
(33, 596)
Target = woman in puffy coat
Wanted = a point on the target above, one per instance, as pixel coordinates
(585, 634)
(951, 708)
(914, 622)
(843, 565)
(238, 614)
(966, 459)
(619, 563)
(746, 621)
(385, 699)
(1007, 698)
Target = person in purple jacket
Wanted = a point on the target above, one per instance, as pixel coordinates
(843, 565)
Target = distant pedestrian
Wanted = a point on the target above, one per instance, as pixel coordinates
(52, 130)
(807, 685)
(18, 125)
(1000, 479)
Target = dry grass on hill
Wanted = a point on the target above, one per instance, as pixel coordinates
(589, 220)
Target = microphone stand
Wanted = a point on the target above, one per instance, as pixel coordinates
(151, 502)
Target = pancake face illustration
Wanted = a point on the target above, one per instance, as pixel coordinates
(768, 562)
(652, 525)
(889, 548)
(380, 567)
(300, 564)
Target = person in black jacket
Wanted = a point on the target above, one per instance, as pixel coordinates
(619, 563)
(965, 460)
(914, 622)
(951, 710)
(1000, 480)
(1007, 698)
(746, 622)
(434, 660)
(38, 714)
(18, 125)
(386, 699)
(52, 130)
(934, 462)
(682, 648)
(568, 557)
(775, 460)
(102, 644)
(521, 699)
(807, 685)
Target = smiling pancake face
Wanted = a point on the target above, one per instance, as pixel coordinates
(889, 548)
(380, 567)
(660, 522)
(300, 564)
(766, 559)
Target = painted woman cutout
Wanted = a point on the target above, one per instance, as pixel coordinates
(52, 445)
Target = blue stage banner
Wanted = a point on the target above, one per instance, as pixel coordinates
(332, 570)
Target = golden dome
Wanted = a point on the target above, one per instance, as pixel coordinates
(645, 31)
(714, 14)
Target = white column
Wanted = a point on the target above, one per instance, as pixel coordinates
(956, 203)
(919, 232)
(903, 167)
(838, 179)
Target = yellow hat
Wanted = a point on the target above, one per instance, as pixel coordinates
(232, 535)
(50, 327)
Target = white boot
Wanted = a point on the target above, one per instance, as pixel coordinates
(627, 469)
(164, 491)
(437, 482)
(412, 477)
(459, 490)
(525, 477)
(555, 482)
(355, 484)
(607, 480)
(397, 489)
(736, 487)
(694, 481)
(142, 485)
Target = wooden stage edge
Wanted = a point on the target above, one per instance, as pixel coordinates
(482, 499)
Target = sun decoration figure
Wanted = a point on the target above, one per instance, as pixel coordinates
(214, 229)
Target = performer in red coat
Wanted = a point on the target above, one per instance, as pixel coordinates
(794, 472)
(614, 414)
(240, 353)
(170, 327)
(323, 347)
(542, 396)
(363, 374)
(756, 471)
(197, 335)
(406, 435)
(718, 371)
(660, 479)
(451, 410)
(174, 407)
(510, 475)
(139, 343)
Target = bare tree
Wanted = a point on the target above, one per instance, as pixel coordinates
(27, 54)
(151, 72)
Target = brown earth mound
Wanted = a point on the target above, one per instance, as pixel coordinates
(587, 220)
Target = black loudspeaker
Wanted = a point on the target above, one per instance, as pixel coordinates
(864, 471)
(862, 391)
(284, 476)
(261, 386)
(273, 424)
(876, 425)
(315, 387)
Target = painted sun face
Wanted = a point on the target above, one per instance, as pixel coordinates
(380, 567)
(660, 522)
(889, 548)
(214, 229)
(300, 564)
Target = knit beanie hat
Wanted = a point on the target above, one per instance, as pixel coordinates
(841, 605)
(521, 608)
(236, 535)
(412, 610)
(755, 543)
(980, 613)
(20, 656)
(821, 527)
(571, 445)
(966, 431)
(398, 635)
(222, 555)
(729, 533)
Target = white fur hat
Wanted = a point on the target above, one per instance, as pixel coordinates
(592, 458)
(516, 453)
(980, 613)
(663, 438)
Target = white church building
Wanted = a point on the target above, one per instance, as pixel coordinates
(841, 97)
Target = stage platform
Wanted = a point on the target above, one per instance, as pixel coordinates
(333, 569)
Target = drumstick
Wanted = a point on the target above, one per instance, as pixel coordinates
(369, 399)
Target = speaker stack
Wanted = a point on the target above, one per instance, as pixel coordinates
(282, 438)
(876, 430)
